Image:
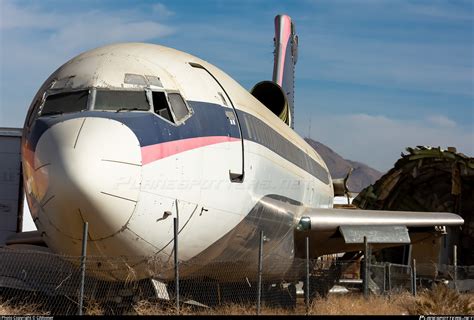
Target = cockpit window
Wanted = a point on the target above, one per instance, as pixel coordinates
(169, 105)
(116, 100)
(178, 106)
(65, 102)
(160, 104)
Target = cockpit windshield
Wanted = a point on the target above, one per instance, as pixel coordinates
(170, 106)
(115, 100)
(65, 102)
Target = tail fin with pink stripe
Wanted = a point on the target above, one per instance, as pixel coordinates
(285, 57)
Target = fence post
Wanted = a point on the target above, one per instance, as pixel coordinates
(413, 278)
(366, 268)
(176, 267)
(389, 277)
(384, 279)
(260, 270)
(455, 253)
(307, 276)
(83, 266)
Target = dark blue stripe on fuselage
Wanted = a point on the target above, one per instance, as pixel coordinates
(254, 129)
(208, 120)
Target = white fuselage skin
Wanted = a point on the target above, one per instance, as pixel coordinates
(85, 167)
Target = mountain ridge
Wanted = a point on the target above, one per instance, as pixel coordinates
(362, 175)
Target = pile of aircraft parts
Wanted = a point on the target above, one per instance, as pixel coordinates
(430, 179)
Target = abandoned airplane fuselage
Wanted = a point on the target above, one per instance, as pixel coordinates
(129, 136)
(126, 137)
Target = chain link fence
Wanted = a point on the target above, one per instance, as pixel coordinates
(391, 278)
(52, 283)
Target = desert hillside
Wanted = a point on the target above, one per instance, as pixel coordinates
(361, 177)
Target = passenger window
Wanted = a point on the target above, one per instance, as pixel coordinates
(65, 102)
(120, 100)
(160, 105)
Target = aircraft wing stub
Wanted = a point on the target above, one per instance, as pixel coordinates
(333, 231)
(318, 219)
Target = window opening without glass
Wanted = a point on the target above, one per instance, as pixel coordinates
(65, 102)
(167, 106)
(116, 100)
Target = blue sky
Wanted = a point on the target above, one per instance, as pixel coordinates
(373, 76)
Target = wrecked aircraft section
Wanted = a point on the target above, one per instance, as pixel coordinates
(429, 179)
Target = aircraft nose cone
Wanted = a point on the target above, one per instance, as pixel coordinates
(91, 170)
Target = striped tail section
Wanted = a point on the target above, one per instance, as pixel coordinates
(285, 57)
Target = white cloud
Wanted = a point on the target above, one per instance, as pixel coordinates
(102, 29)
(378, 140)
(14, 16)
(442, 121)
(87, 29)
(410, 45)
(161, 10)
(432, 67)
(439, 10)
(35, 40)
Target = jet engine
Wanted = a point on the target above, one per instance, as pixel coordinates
(272, 96)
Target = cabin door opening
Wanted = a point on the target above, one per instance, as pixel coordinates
(234, 151)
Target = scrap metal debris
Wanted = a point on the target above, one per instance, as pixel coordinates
(429, 179)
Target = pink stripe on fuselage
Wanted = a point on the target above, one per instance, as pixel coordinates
(285, 29)
(166, 149)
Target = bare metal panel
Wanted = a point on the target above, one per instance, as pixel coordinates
(332, 219)
(137, 79)
(9, 191)
(11, 195)
(14, 132)
(375, 234)
(8, 215)
(9, 145)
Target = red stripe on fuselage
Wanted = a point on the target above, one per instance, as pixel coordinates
(166, 149)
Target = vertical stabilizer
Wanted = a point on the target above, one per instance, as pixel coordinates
(286, 55)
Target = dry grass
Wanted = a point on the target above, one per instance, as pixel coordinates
(93, 308)
(21, 309)
(436, 301)
(439, 300)
(149, 308)
(356, 304)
